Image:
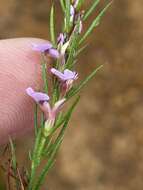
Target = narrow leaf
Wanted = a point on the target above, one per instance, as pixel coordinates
(67, 16)
(91, 9)
(80, 3)
(14, 162)
(81, 50)
(52, 25)
(44, 74)
(35, 119)
(73, 47)
(65, 125)
(35, 160)
(35, 155)
(72, 51)
(83, 83)
(62, 5)
(43, 174)
(95, 23)
(63, 118)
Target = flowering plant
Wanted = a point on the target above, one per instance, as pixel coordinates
(58, 90)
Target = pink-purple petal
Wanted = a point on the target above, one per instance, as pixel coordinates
(67, 75)
(37, 96)
(70, 74)
(42, 47)
(60, 38)
(59, 74)
(54, 53)
(72, 10)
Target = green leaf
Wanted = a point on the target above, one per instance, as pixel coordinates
(72, 51)
(65, 125)
(48, 147)
(41, 147)
(60, 122)
(81, 50)
(67, 16)
(95, 23)
(59, 118)
(91, 9)
(80, 3)
(55, 147)
(74, 91)
(62, 2)
(55, 91)
(42, 120)
(68, 116)
(43, 174)
(36, 119)
(52, 25)
(73, 47)
(14, 162)
(35, 159)
(35, 154)
(44, 74)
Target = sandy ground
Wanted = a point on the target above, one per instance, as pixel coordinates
(103, 148)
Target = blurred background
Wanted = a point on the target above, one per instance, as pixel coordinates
(103, 148)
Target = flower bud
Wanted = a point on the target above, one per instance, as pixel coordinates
(77, 4)
(48, 127)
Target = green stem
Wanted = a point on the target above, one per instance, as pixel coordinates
(36, 160)
(35, 120)
(62, 5)
(14, 162)
(44, 74)
(34, 163)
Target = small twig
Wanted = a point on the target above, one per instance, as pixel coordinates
(20, 179)
(8, 175)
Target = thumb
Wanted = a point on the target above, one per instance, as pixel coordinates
(19, 69)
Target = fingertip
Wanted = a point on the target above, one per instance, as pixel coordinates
(19, 68)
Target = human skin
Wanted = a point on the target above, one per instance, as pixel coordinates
(19, 68)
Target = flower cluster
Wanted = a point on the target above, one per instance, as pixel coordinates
(64, 76)
(66, 79)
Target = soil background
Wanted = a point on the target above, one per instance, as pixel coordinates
(103, 148)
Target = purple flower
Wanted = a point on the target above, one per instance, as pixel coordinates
(72, 10)
(67, 78)
(42, 47)
(51, 114)
(61, 39)
(66, 75)
(54, 53)
(46, 48)
(76, 3)
(42, 99)
(37, 96)
(72, 13)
